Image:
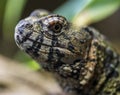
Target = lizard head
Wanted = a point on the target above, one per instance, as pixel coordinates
(51, 39)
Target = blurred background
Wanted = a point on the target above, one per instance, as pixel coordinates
(104, 15)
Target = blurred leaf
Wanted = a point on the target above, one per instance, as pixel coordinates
(72, 7)
(12, 14)
(24, 58)
(96, 11)
(2, 7)
(33, 65)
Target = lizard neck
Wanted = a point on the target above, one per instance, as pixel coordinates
(109, 79)
(106, 77)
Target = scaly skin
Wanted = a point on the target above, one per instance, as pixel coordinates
(80, 57)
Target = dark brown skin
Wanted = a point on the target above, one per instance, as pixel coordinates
(80, 57)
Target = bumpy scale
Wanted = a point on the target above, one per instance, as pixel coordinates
(80, 57)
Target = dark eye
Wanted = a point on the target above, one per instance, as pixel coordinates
(56, 28)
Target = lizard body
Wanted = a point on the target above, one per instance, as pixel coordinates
(80, 57)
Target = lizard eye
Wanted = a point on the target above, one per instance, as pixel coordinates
(56, 28)
(53, 25)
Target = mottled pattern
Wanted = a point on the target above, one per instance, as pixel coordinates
(80, 57)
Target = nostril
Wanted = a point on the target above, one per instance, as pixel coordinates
(24, 25)
(20, 27)
(20, 30)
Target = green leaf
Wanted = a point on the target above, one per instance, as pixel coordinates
(2, 7)
(33, 65)
(12, 14)
(96, 11)
(72, 7)
(26, 60)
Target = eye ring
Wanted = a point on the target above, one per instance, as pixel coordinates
(53, 25)
(56, 28)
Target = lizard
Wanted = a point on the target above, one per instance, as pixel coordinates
(81, 58)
